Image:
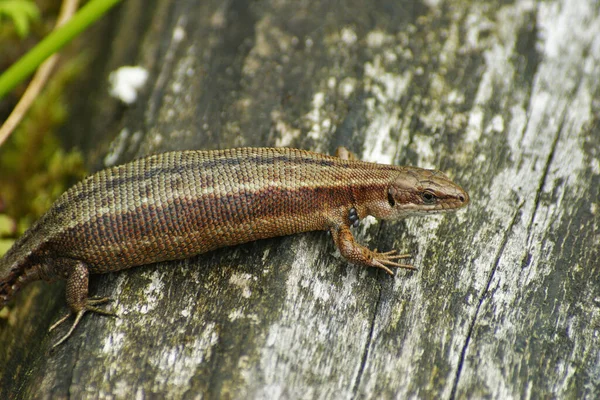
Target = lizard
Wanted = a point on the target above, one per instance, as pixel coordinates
(179, 204)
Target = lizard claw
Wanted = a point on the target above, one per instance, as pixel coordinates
(383, 260)
(89, 306)
(393, 254)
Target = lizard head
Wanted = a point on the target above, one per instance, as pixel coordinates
(416, 191)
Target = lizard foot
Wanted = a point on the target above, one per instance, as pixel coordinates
(388, 259)
(89, 306)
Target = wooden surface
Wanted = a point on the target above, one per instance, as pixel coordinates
(506, 303)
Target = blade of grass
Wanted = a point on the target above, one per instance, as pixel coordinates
(38, 81)
(25, 66)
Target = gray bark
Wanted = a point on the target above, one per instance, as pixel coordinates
(504, 97)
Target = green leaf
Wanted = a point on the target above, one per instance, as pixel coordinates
(21, 12)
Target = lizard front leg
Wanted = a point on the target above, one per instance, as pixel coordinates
(77, 275)
(358, 254)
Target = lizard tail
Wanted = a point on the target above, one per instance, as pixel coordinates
(7, 281)
(13, 278)
(10, 284)
(6, 291)
(5, 294)
(5, 278)
(19, 266)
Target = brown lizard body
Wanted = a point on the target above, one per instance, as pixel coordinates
(179, 204)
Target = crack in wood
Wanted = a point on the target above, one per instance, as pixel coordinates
(482, 297)
(365, 354)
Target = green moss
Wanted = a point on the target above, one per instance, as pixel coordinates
(34, 168)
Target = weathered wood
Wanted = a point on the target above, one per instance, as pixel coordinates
(506, 302)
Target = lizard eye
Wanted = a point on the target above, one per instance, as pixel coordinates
(428, 197)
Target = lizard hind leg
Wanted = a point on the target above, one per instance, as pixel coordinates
(345, 154)
(76, 291)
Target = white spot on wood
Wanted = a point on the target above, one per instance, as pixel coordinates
(153, 292)
(178, 34)
(348, 36)
(125, 83)
(377, 38)
(117, 147)
(287, 134)
(315, 116)
(423, 145)
(497, 124)
(242, 281)
(382, 110)
(347, 87)
(331, 82)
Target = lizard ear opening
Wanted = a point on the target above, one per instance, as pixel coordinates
(390, 197)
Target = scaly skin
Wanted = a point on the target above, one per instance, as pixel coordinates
(177, 205)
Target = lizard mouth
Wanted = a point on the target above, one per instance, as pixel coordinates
(441, 207)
